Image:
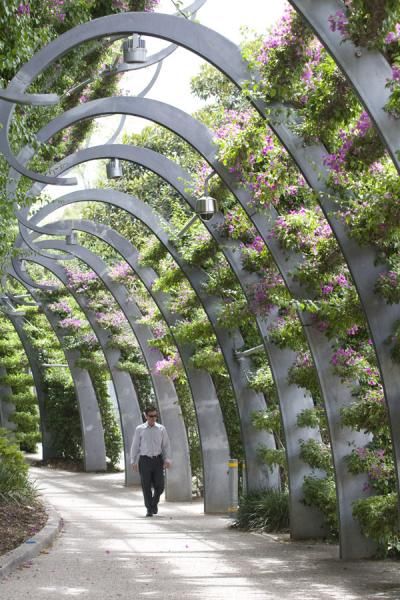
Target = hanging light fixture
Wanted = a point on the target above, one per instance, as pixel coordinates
(71, 238)
(206, 207)
(114, 169)
(134, 49)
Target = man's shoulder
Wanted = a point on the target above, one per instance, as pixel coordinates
(159, 426)
(142, 426)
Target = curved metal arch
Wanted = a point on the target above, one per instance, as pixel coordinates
(92, 431)
(124, 68)
(141, 94)
(128, 404)
(366, 70)
(388, 369)
(305, 521)
(209, 45)
(381, 317)
(179, 481)
(30, 99)
(392, 409)
(247, 400)
(336, 393)
(192, 10)
(213, 437)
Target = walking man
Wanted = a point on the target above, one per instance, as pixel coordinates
(150, 454)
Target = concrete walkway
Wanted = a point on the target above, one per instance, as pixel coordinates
(109, 550)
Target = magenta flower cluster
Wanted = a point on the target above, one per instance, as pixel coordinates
(56, 8)
(339, 22)
(261, 301)
(111, 320)
(71, 323)
(80, 281)
(121, 5)
(90, 341)
(336, 161)
(281, 35)
(120, 271)
(345, 357)
(61, 308)
(339, 281)
(24, 9)
(151, 5)
(393, 36)
(234, 123)
(168, 366)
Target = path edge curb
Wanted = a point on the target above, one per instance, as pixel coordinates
(35, 544)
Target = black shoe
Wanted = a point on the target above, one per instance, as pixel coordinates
(154, 510)
(149, 513)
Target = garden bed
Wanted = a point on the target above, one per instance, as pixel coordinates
(18, 523)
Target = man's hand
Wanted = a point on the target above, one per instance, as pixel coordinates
(135, 467)
(167, 463)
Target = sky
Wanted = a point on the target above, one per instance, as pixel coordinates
(173, 84)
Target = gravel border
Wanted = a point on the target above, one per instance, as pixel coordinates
(34, 545)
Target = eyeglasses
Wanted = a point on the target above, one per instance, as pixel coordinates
(152, 416)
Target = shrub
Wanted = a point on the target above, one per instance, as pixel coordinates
(378, 519)
(14, 483)
(322, 494)
(266, 510)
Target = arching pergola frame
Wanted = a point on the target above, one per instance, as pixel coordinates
(335, 392)
(94, 452)
(305, 521)
(380, 317)
(179, 481)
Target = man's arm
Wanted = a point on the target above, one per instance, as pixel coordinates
(135, 450)
(166, 449)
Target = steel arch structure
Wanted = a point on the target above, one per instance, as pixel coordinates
(292, 399)
(379, 315)
(94, 453)
(335, 392)
(247, 400)
(179, 482)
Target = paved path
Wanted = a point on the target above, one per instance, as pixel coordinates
(109, 550)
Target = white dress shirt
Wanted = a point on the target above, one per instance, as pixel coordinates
(150, 441)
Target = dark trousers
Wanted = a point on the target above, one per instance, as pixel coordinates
(152, 477)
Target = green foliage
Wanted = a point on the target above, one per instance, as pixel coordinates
(378, 518)
(321, 493)
(197, 329)
(189, 418)
(262, 381)
(268, 420)
(316, 454)
(134, 368)
(370, 20)
(234, 313)
(273, 457)
(377, 463)
(25, 415)
(266, 511)
(209, 359)
(63, 415)
(367, 414)
(309, 417)
(14, 482)
(152, 253)
(230, 414)
(305, 376)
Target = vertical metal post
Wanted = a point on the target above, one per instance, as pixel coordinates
(244, 479)
(233, 476)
